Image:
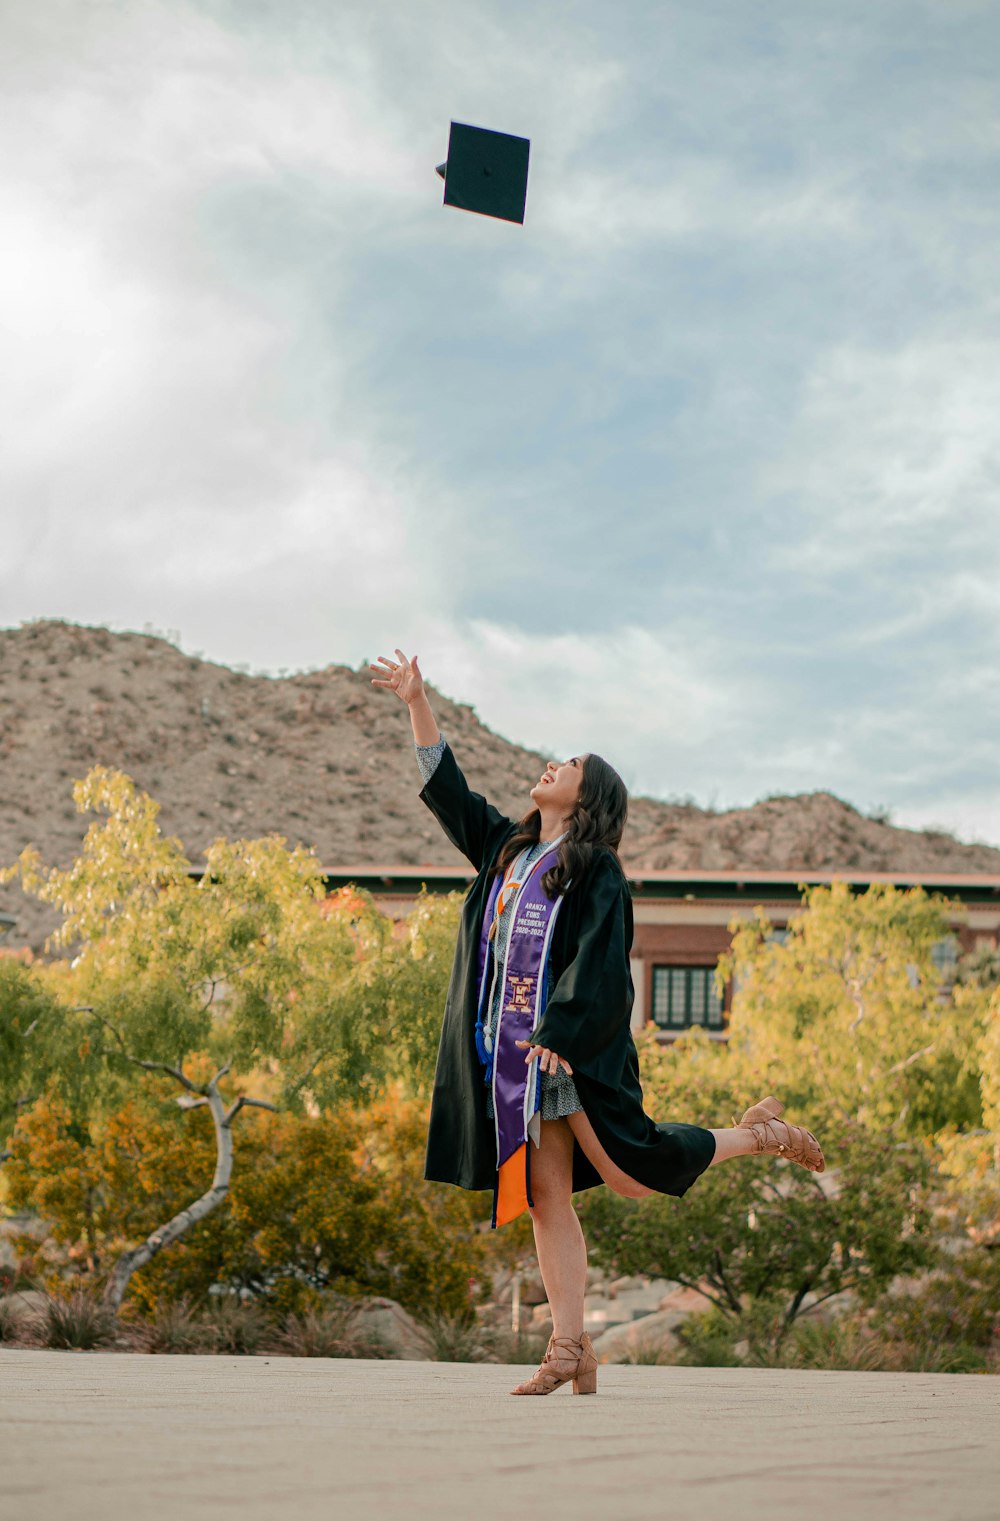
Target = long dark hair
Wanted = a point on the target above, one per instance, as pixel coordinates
(597, 822)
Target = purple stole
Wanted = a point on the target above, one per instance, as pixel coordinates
(516, 1085)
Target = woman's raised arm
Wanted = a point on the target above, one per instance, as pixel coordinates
(472, 824)
(405, 679)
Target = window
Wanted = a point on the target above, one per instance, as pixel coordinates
(944, 954)
(684, 996)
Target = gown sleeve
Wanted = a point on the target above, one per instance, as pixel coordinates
(472, 824)
(587, 1018)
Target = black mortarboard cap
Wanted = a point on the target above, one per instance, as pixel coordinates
(486, 172)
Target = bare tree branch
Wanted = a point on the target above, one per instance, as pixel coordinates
(909, 1060)
(243, 1101)
(174, 1072)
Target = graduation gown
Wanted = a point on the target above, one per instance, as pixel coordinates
(586, 1019)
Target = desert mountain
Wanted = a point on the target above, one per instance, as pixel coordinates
(324, 758)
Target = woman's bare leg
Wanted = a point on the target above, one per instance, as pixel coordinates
(562, 1251)
(736, 1142)
(595, 1153)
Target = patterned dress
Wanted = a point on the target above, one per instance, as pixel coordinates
(558, 1090)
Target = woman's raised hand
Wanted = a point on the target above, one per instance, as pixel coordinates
(402, 677)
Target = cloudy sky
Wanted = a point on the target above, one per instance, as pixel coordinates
(700, 468)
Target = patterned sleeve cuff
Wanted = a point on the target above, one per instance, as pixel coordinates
(429, 757)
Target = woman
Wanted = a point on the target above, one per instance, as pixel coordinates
(537, 1093)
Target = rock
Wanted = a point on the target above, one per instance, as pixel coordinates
(388, 1323)
(23, 1306)
(599, 1313)
(625, 1286)
(533, 1289)
(652, 1333)
(685, 1299)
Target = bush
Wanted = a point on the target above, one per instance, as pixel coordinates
(236, 1329)
(457, 1339)
(955, 1310)
(708, 1339)
(173, 1328)
(10, 1322)
(329, 1331)
(858, 1341)
(79, 1321)
(336, 1204)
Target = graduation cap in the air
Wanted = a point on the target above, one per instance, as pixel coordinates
(486, 172)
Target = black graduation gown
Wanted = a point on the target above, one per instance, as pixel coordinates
(586, 1019)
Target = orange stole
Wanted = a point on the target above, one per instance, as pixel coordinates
(512, 1197)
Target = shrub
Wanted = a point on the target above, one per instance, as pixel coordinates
(79, 1321)
(10, 1322)
(174, 1327)
(457, 1339)
(708, 1340)
(236, 1329)
(329, 1331)
(955, 1312)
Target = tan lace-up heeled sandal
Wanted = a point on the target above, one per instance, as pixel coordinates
(768, 1109)
(778, 1139)
(564, 1359)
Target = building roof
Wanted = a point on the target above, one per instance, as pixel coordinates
(686, 883)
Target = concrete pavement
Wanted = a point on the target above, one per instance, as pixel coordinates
(105, 1436)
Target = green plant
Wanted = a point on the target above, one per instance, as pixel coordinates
(457, 1338)
(329, 1331)
(10, 1322)
(957, 1305)
(235, 1328)
(78, 1321)
(708, 1340)
(173, 1327)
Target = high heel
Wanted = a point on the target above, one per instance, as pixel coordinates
(768, 1109)
(564, 1360)
(792, 1142)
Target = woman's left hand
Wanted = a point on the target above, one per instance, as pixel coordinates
(548, 1061)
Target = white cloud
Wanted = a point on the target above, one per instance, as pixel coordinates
(259, 388)
(892, 452)
(651, 701)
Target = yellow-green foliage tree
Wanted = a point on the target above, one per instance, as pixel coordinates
(409, 981)
(846, 1022)
(320, 1203)
(251, 975)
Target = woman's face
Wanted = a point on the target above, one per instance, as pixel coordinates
(559, 786)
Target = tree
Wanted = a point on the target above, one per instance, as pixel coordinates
(848, 1013)
(29, 1030)
(759, 1231)
(846, 1020)
(409, 986)
(252, 970)
(330, 1203)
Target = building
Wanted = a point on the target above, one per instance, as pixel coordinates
(681, 920)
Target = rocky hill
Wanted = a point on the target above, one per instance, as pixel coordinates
(324, 758)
